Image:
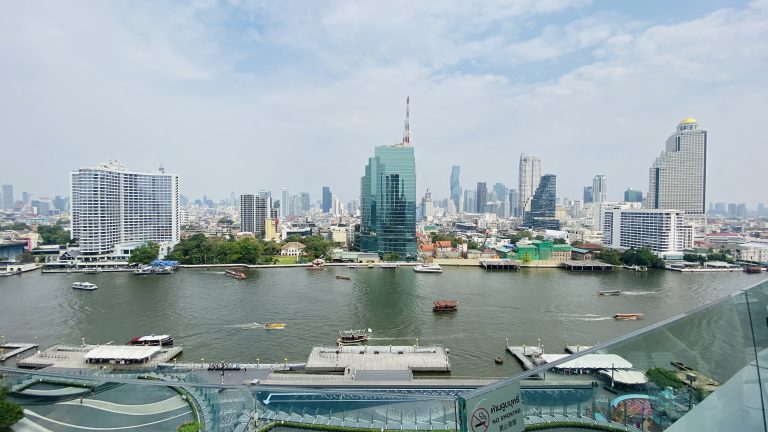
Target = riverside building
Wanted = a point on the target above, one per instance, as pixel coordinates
(678, 176)
(113, 206)
(665, 232)
(388, 200)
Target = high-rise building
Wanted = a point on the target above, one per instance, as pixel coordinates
(481, 197)
(284, 204)
(544, 205)
(111, 205)
(469, 201)
(741, 210)
(588, 195)
(501, 191)
(600, 189)
(665, 232)
(60, 203)
(327, 199)
(253, 213)
(513, 202)
(678, 176)
(427, 206)
(761, 210)
(456, 187)
(388, 200)
(305, 202)
(632, 195)
(8, 202)
(528, 180)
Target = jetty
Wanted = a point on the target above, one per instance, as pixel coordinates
(573, 349)
(528, 356)
(98, 356)
(587, 265)
(500, 264)
(379, 358)
(15, 349)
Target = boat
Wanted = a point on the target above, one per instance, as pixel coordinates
(389, 265)
(6, 273)
(445, 306)
(164, 270)
(317, 264)
(152, 340)
(235, 274)
(92, 271)
(428, 268)
(144, 271)
(628, 316)
(343, 277)
(84, 286)
(353, 337)
(274, 326)
(608, 292)
(753, 269)
(636, 268)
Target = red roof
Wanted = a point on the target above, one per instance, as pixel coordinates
(443, 244)
(590, 246)
(427, 247)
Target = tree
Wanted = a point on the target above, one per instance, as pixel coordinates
(10, 413)
(559, 241)
(145, 254)
(16, 226)
(391, 256)
(53, 234)
(539, 237)
(609, 256)
(226, 220)
(526, 258)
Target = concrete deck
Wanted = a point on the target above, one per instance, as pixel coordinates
(382, 358)
(73, 357)
(15, 349)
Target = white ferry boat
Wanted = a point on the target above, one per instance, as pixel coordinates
(428, 268)
(84, 286)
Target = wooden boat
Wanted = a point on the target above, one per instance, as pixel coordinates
(235, 274)
(609, 292)
(317, 264)
(628, 316)
(445, 306)
(353, 337)
(343, 277)
(753, 269)
(274, 326)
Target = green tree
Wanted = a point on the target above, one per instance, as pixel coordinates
(559, 241)
(53, 234)
(145, 254)
(526, 258)
(316, 246)
(391, 256)
(609, 256)
(16, 226)
(10, 413)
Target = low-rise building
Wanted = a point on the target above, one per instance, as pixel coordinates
(543, 250)
(292, 249)
(751, 252)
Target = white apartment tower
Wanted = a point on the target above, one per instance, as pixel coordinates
(678, 177)
(662, 231)
(528, 181)
(111, 205)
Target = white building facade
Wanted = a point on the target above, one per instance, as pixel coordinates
(665, 232)
(678, 176)
(111, 206)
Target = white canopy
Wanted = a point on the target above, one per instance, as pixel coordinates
(626, 376)
(121, 352)
(589, 361)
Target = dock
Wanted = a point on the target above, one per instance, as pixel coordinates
(500, 264)
(587, 265)
(573, 349)
(73, 357)
(379, 358)
(15, 349)
(528, 356)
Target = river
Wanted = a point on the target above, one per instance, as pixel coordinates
(215, 318)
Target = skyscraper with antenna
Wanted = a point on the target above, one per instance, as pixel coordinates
(388, 199)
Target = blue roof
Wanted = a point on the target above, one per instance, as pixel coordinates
(162, 263)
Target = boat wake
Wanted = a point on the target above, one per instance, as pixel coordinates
(583, 317)
(246, 326)
(638, 293)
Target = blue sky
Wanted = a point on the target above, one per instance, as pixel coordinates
(239, 96)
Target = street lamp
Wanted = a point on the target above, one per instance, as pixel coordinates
(3, 339)
(82, 341)
(37, 345)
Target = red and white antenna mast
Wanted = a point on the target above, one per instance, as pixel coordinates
(407, 131)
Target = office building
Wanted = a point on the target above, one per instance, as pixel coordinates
(600, 189)
(588, 195)
(528, 181)
(678, 176)
(285, 201)
(388, 200)
(543, 205)
(481, 197)
(469, 201)
(7, 193)
(427, 206)
(456, 187)
(327, 199)
(513, 209)
(111, 205)
(632, 195)
(253, 213)
(664, 232)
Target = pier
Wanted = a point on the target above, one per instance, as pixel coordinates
(528, 356)
(587, 265)
(500, 264)
(573, 349)
(380, 358)
(15, 349)
(76, 357)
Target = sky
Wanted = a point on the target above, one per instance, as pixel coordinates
(238, 96)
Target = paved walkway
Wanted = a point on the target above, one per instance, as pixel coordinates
(29, 413)
(167, 405)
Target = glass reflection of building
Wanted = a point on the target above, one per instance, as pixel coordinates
(388, 202)
(544, 205)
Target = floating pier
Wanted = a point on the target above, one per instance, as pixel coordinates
(587, 265)
(75, 357)
(380, 358)
(500, 264)
(573, 349)
(528, 356)
(15, 349)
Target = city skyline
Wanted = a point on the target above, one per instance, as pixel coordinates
(497, 81)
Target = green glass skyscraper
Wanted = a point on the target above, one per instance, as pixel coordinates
(388, 201)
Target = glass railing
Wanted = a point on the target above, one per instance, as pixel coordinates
(701, 370)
